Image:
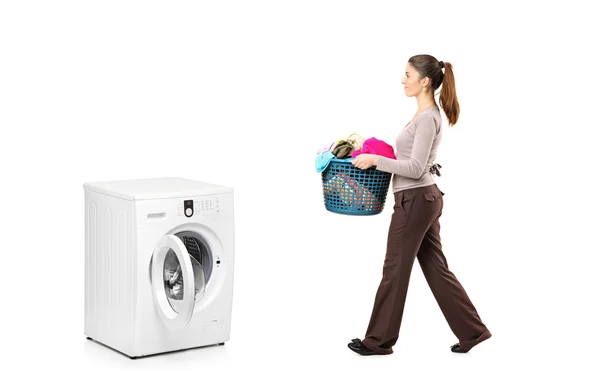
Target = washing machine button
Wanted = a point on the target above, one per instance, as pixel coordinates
(189, 212)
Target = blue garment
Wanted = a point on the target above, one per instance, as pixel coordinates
(323, 160)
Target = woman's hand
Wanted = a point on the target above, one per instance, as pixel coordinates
(365, 160)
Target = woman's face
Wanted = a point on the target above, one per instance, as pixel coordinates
(413, 82)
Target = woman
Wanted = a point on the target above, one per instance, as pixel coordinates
(415, 227)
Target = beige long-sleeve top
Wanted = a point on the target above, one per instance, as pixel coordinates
(416, 150)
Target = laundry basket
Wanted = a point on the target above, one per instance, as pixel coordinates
(352, 191)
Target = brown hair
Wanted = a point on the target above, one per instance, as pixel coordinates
(428, 66)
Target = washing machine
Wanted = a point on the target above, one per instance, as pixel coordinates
(159, 256)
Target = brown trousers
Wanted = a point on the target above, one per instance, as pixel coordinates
(415, 232)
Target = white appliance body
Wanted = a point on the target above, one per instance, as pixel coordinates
(159, 257)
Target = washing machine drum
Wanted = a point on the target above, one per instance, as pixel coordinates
(199, 250)
(173, 279)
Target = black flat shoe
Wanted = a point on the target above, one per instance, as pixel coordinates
(456, 348)
(357, 347)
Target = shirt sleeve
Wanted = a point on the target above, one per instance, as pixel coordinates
(414, 166)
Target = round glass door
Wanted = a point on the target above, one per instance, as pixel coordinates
(178, 281)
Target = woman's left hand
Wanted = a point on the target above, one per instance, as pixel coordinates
(365, 160)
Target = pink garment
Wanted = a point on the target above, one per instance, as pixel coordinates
(376, 147)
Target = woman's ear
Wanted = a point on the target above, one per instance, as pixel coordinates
(425, 81)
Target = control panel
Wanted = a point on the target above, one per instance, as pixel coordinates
(199, 207)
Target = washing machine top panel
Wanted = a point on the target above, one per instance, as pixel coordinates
(156, 188)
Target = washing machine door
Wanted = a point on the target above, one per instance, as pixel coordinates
(173, 283)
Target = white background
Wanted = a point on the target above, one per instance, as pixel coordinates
(243, 93)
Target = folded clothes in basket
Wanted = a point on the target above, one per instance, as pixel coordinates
(352, 193)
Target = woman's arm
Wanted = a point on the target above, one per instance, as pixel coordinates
(414, 166)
